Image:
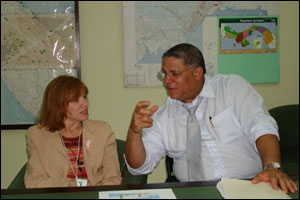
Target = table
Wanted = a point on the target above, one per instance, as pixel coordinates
(182, 190)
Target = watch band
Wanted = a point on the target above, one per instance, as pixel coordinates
(272, 165)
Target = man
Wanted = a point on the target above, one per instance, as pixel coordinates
(237, 138)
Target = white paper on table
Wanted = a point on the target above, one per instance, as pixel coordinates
(243, 189)
(138, 194)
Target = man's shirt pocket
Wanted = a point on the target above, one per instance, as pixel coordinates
(226, 126)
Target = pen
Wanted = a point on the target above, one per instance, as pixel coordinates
(211, 121)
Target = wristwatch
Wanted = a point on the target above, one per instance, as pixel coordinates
(272, 165)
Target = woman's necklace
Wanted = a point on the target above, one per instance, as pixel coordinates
(78, 152)
(78, 157)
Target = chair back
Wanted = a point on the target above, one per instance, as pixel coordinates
(287, 118)
(121, 150)
(18, 182)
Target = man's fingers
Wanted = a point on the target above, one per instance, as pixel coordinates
(147, 119)
(142, 104)
(141, 108)
(154, 109)
(261, 177)
(277, 178)
(138, 125)
(289, 186)
(150, 111)
(294, 186)
(255, 180)
(274, 183)
(142, 116)
(145, 111)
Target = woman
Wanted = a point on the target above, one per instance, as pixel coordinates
(65, 148)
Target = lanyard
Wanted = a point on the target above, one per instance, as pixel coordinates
(78, 152)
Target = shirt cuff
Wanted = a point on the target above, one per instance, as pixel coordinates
(138, 171)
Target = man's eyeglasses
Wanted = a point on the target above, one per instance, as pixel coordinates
(173, 73)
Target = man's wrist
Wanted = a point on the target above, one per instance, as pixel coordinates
(135, 132)
(272, 165)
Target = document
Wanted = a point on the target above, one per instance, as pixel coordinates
(138, 194)
(243, 189)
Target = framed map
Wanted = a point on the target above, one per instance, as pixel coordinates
(39, 41)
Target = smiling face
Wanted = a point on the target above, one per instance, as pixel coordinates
(183, 83)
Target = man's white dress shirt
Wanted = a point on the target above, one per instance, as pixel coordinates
(231, 115)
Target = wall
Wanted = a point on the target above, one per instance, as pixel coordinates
(101, 46)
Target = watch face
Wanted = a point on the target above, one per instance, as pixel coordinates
(272, 165)
(276, 165)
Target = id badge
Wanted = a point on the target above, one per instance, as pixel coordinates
(81, 182)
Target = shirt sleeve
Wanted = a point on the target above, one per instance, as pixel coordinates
(248, 106)
(154, 146)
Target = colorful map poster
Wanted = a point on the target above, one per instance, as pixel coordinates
(248, 35)
(249, 46)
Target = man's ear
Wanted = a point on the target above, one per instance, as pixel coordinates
(198, 72)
